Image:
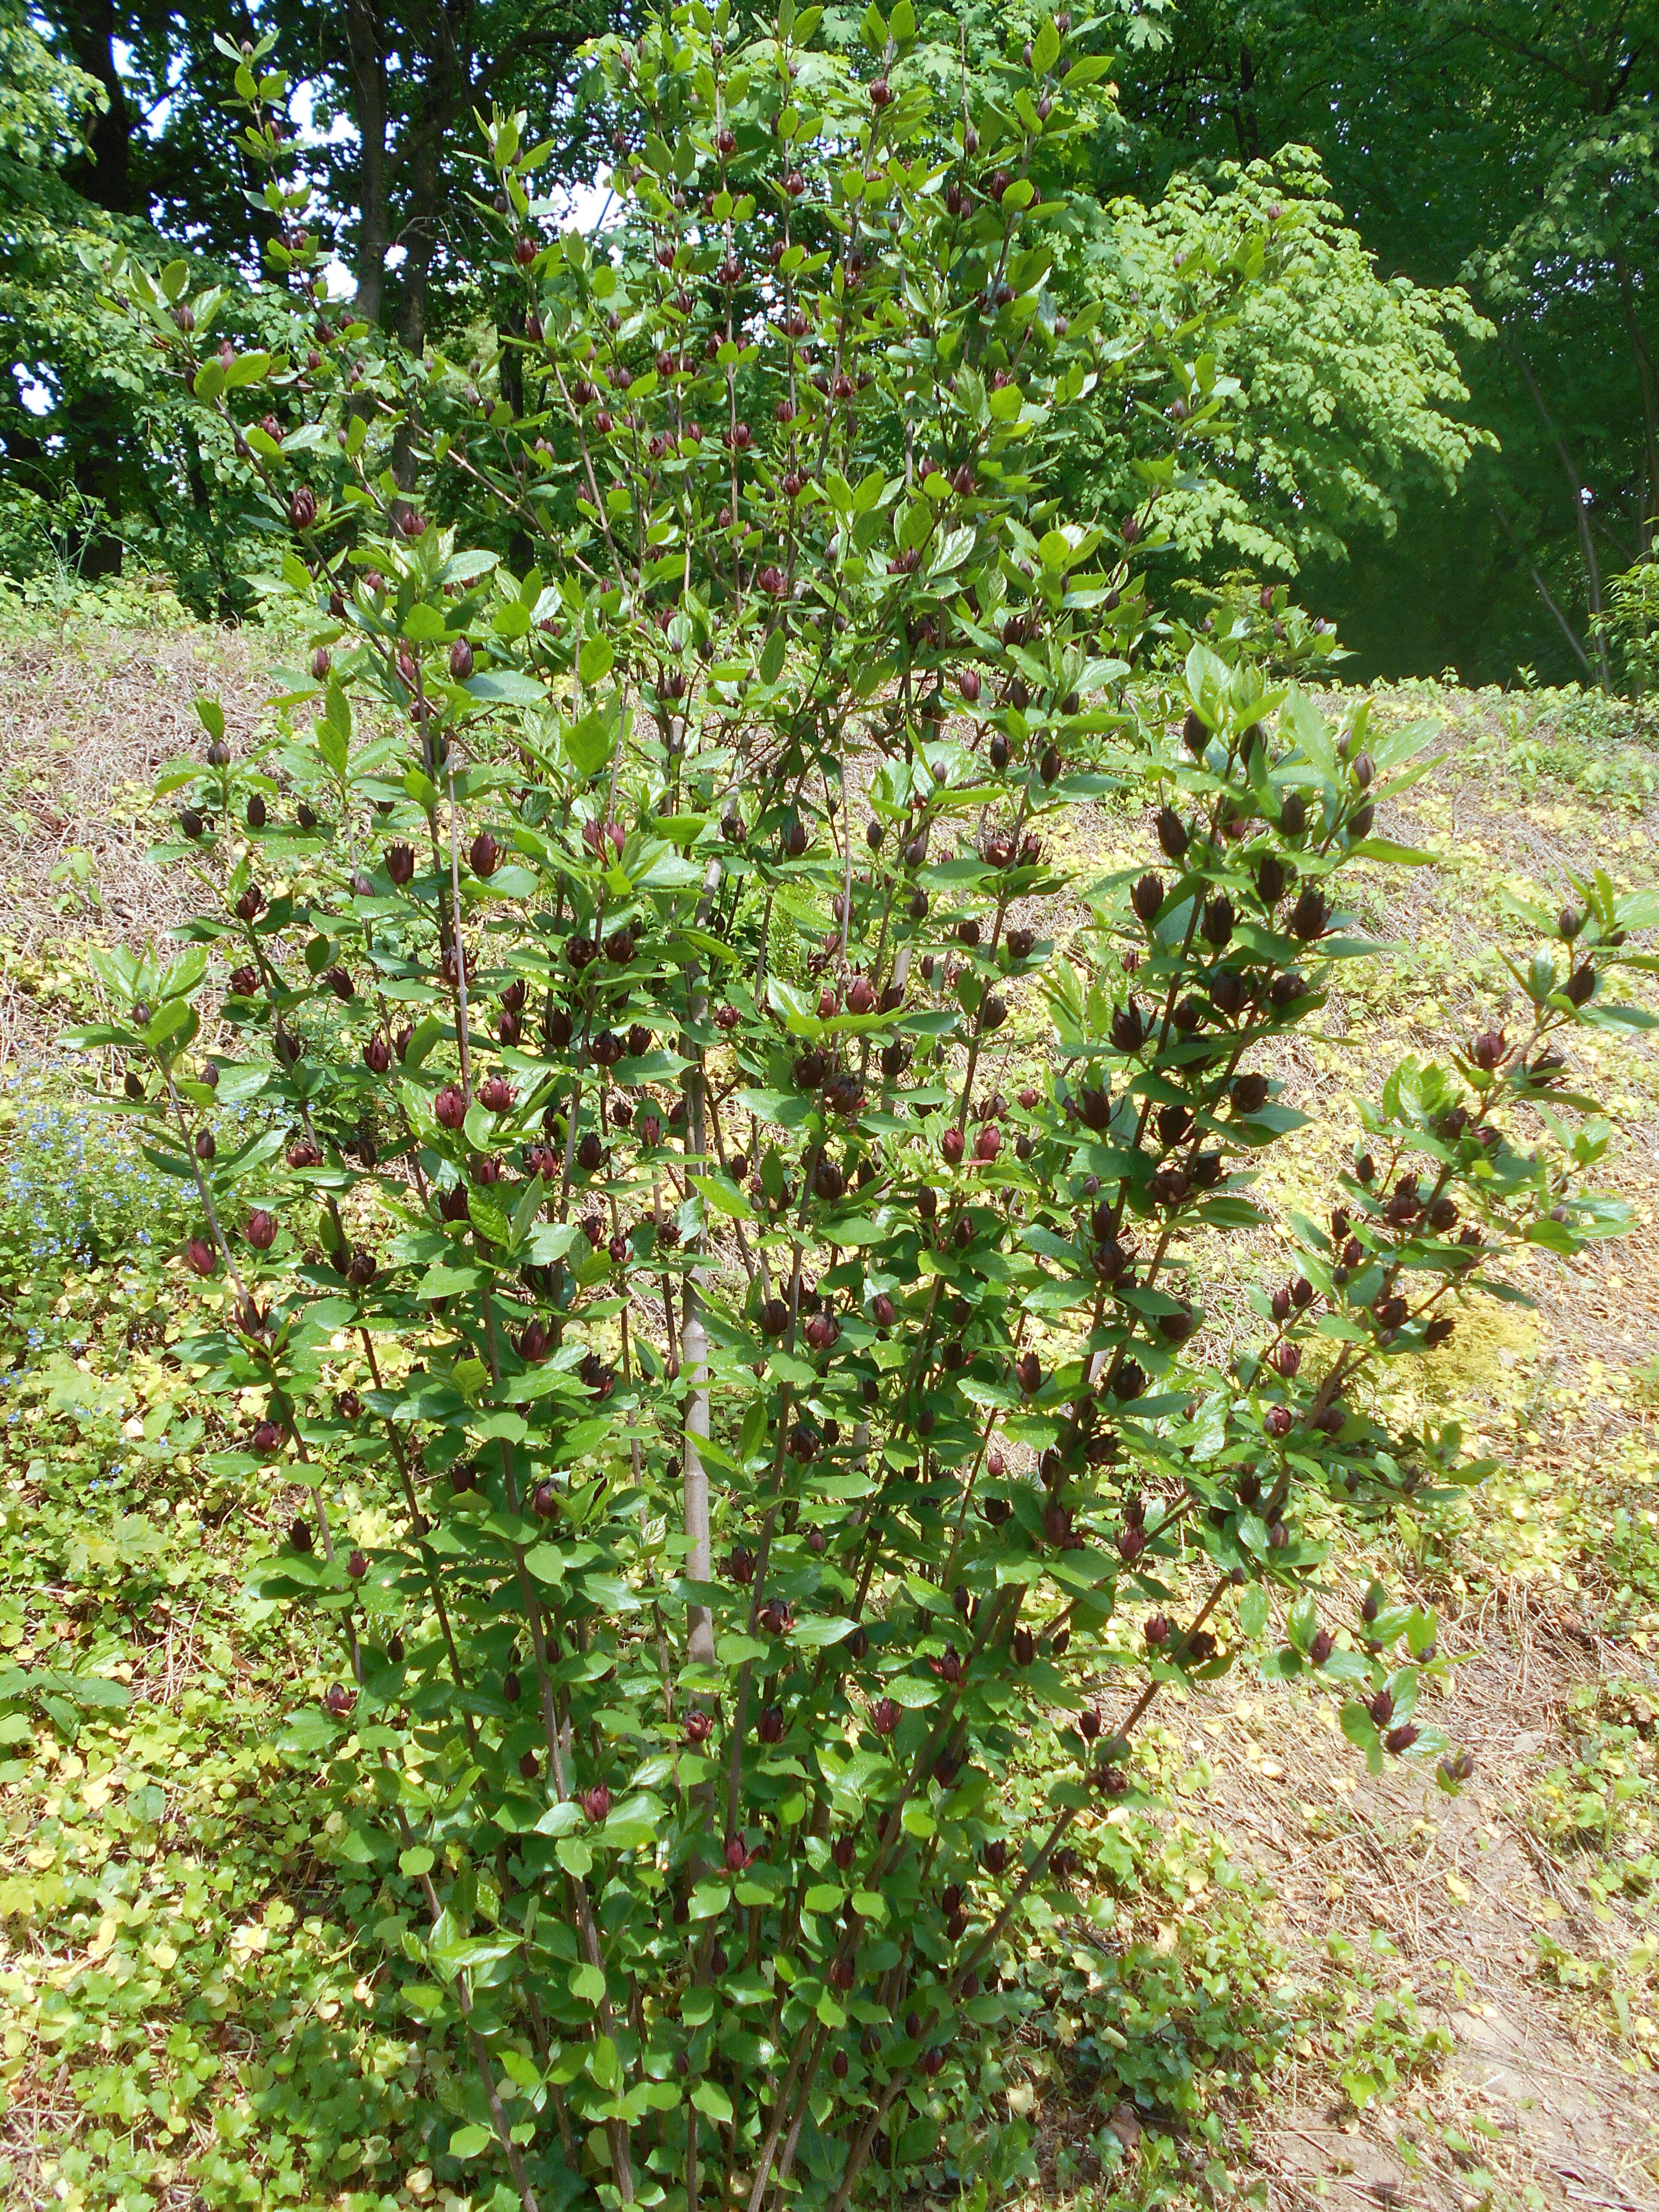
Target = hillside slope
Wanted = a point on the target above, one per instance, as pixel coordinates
(1354, 1994)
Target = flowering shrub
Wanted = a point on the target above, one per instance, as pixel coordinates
(762, 1411)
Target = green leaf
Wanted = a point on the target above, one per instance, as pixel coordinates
(710, 2098)
(1361, 1731)
(463, 568)
(814, 1633)
(469, 2142)
(723, 1195)
(588, 743)
(1253, 1611)
(506, 687)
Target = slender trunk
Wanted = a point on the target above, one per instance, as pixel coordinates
(419, 239)
(442, 100)
(201, 499)
(694, 1337)
(366, 51)
(1578, 490)
(1542, 589)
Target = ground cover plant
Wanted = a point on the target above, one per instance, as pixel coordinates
(722, 1410)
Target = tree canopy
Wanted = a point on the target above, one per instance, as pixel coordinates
(1442, 416)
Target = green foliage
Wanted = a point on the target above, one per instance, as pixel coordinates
(1377, 2036)
(1632, 622)
(682, 1664)
(1347, 385)
(1601, 1808)
(75, 1190)
(218, 2027)
(1506, 147)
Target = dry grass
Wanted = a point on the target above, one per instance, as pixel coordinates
(88, 722)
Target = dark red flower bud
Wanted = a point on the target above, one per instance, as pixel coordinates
(1146, 897)
(1310, 915)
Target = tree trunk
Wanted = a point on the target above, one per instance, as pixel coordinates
(1578, 490)
(366, 52)
(419, 240)
(1248, 120)
(97, 475)
(1543, 591)
(106, 178)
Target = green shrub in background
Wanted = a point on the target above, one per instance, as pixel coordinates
(1631, 620)
(757, 1413)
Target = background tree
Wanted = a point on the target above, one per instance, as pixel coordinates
(1507, 145)
(1502, 146)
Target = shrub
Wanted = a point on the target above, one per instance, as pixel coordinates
(758, 1414)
